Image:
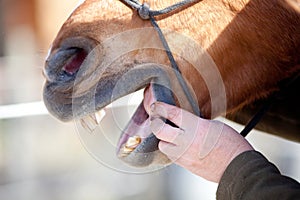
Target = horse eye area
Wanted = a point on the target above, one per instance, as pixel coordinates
(74, 62)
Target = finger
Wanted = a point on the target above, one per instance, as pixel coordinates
(178, 116)
(173, 152)
(168, 149)
(149, 98)
(164, 131)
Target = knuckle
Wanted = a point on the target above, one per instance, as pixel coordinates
(159, 135)
(174, 113)
(162, 146)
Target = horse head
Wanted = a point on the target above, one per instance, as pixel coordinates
(105, 51)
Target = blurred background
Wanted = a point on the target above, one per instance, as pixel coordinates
(42, 158)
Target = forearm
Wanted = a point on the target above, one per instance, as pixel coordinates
(251, 176)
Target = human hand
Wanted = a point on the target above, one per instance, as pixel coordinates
(204, 147)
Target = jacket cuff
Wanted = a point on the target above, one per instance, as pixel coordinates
(235, 178)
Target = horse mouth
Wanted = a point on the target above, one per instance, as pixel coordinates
(137, 134)
(137, 145)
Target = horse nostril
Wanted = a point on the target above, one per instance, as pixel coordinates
(74, 62)
(63, 63)
(67, 57)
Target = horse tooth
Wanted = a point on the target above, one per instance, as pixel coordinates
(133, 142)
(89, 123)
(125, 151)
(99, 115)
(130, 145)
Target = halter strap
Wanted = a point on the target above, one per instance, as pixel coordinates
(146, 13)
(271, 100)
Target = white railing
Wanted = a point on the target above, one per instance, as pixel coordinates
(22, 110)
(38, 107)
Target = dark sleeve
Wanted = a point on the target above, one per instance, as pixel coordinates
(251, 176)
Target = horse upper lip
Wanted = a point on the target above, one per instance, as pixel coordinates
(59, 84)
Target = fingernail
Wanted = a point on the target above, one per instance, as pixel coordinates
(152, 107)
(172, 113)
